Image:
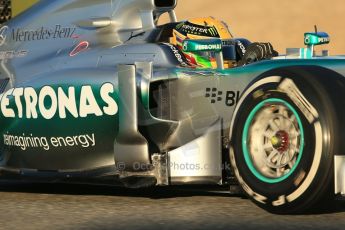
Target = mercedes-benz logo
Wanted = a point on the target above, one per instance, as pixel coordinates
(3, 31)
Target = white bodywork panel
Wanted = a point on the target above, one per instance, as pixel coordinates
(339, 177)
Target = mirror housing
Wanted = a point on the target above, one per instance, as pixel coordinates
(314, 39)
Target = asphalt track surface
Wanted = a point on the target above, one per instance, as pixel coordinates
(99, 207)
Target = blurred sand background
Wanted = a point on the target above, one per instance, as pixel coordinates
(281, 22)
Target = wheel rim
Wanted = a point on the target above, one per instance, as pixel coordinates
(273, 140)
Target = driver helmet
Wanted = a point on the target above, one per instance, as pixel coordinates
(200, 28)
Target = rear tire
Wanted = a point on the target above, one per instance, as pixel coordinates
(283, 143)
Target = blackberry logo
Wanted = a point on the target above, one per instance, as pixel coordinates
(230, 98)
(214, 95)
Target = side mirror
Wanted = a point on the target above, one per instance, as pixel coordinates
(314, 39)
(206, 45)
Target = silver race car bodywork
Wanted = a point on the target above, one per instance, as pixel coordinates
(91, 91)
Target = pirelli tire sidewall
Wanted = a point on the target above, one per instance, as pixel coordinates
(313, 175)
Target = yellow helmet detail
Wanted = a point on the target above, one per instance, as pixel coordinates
(200, 28)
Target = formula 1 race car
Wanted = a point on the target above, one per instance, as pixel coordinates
(95, 92)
